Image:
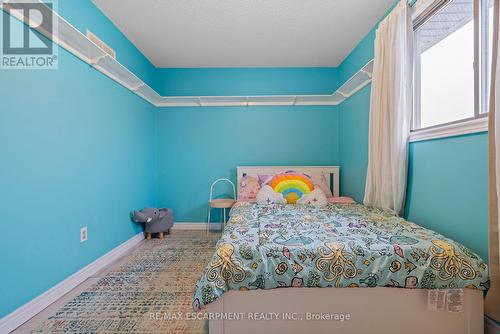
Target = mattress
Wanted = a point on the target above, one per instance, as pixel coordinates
(335, 246)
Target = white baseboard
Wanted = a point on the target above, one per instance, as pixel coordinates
(36, 305)
(196, 226)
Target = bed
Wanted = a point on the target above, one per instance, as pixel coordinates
(340, 268)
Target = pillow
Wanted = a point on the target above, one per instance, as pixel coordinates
(319, 180)
(267, 195)
(315, 198)
(341, 200)
(248, 188)
(292, 185)
(264, 178)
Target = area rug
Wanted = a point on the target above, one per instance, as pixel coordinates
(149, 291)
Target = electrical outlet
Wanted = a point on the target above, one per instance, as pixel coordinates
(83, 234)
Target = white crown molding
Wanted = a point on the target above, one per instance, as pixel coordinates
(36, 305)
(450, 130)
(70, 38)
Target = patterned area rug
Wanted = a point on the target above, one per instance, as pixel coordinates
(142, 294)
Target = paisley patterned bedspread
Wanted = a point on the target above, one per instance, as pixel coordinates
(339, 245)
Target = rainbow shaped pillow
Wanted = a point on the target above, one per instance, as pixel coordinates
(291, 185)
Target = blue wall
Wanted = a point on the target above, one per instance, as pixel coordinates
(246, 81)
(447, 188)
(77, 150)
(353, 124)
(447, 182)
(198, 145)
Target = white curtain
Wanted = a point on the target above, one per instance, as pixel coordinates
(492, 303)
(390, 111)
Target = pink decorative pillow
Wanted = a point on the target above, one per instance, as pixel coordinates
(248, 187)
(319, 180)
(264, 178)
(341, 200)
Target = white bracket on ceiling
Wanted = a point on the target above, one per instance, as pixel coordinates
(369, 74)
(96, 60)
(136, 88)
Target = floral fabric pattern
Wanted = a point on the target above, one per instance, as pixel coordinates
(337, 245)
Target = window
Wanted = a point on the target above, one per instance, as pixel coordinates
(452, 64)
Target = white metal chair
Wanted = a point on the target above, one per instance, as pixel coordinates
(220, 203)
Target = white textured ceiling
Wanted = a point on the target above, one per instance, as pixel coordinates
(244, 33)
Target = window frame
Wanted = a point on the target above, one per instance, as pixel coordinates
(478, 122)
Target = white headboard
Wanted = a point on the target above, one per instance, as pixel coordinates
(332, 173)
